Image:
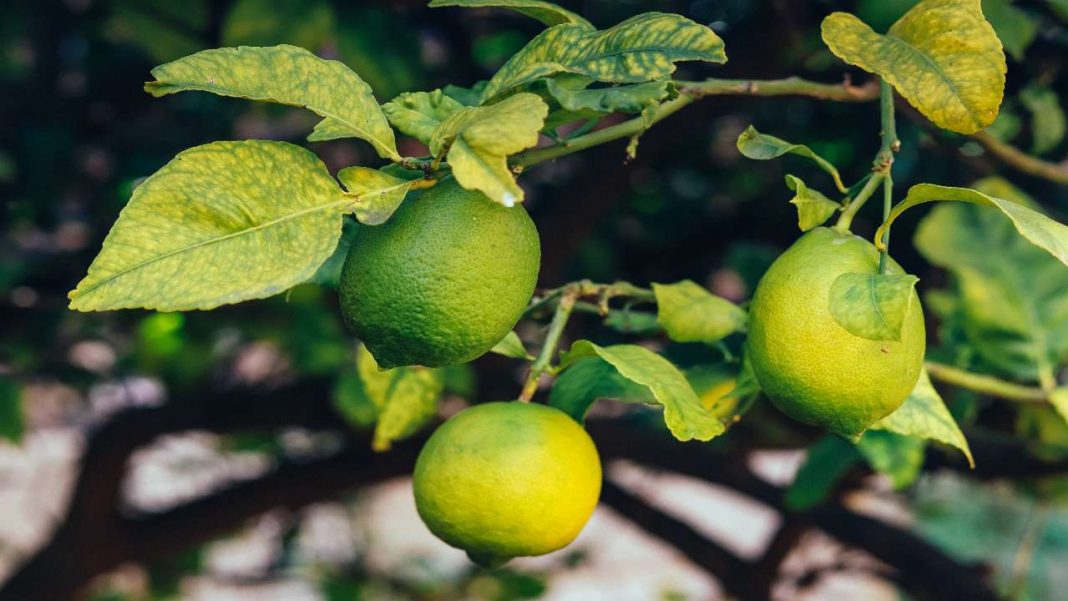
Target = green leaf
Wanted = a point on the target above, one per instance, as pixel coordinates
(329, 273)
(626, 321)
(942, 56)
(1047, 118)
(478, 140)
(683, 413)
(762, 147)
(511, 346)
(1015, 27)
(642, 48)
(546, 12)
(899, 457)
(924, 415)
(689, 313)
(377, 194)
(572, 94)
(405, 397)
(872, 305)
(12, 425)
(1038, 229)
(825, 463)
(221, 223)
(588, 380)
(1014, 313)
(303, 23)
(418, 114)
(1059, 399)
(813, 208)
(287, 75)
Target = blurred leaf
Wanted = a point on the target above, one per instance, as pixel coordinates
(762, 147)
(714, 385)
(924, 415)
(466, 96)
(942, 56)
(221, 223)
(899, 457)
(1015, 27)
(1059, 399)
(166, 30)
(478, 141)
(351, 400)
(1007, 125)
(329, 273)
(872, 305)
(642, 48)
(626, 321)
(572, 94)
(511, 346)
(287, 75)
(381, 44)
(689, 313)
(12, 425)
(1047, 118)
(377, 193)
(418, 114)
(305, 23)
(813, 208)
(825, 463)
(683, 413)
(588, 380)
(546, 12)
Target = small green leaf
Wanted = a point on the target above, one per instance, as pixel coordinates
(872, 305)
(813, 208)
(588, 380)
(12, 425)
(626, 321)
(572, 94)
(478, 140)
(825, 463)
(511, 346)
(689, 313)
(418, 114)
(1038, 229)
(942, 56)
(762, 147)
(642, 48)
(221, 223)
(1059, 399)
(1047, 118)
(546, 12)
(899, 457)
(924, 415)
(405, 397)
(683, 413)
(286, 75)
(377, 194)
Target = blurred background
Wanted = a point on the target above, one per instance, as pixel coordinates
(151, 456)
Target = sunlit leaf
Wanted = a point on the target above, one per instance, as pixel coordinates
(942, 56)
(899, 457)
(221, 223)
(813, 208)
(924, 415)
(590, 379)
(287, 75)
(418, 114)
(755, 145)
(689, 313)
(642, 48)
(546, 12)
(511, 346)
(872, 305)
(377, 193)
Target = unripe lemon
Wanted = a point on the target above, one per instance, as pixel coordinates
(442, 281)
(812, 368)
(504, 480)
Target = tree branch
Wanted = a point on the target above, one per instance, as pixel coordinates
(1021, 161)
(985, 384)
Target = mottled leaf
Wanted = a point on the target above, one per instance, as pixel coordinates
(689, 313)
(1047, 118)
(683, 413)
(825, 463)
(642, 48)
(899, 457)
(755, 145)
(511, 346)
(405, 397)
(418, 114)
(924, 415)
(813, 208)
(221, 223)
(546, 12)
(573, 95)
(377, 193)
(872, 305)
(942, 56)
(590, 379)
(287, 75)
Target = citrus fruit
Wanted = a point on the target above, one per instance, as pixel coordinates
(504, 480)
(442, 281)
(812, 368)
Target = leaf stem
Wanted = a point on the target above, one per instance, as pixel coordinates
(881, 168)
(985, 384)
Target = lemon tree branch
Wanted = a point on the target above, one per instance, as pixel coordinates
(985, 384)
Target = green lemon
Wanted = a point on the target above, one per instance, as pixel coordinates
(504, 480)
(809, 366)
(443, 280)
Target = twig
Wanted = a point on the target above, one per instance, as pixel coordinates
(1020, 160)
(985, 384)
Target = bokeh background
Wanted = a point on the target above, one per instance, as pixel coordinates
(198, 456)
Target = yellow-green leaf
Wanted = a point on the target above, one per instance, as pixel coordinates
(377, 194)
(590, 379)
(689, 313)
(942, 56)
(899, 457)
(479, 139)
(762, 147)
(924, 415)
(221, 223)
(546, 12)
(511, 346)
(286, 75)
(642, 48)
(1059, 399)
(813, 208)
(872, 305)
(418, 114)
(405, 397)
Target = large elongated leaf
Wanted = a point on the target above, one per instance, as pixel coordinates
(221, 223)
(642, 48)
(546, 12)
(689, 313)
(942, 56)
(872, 305)
(287, 75)
(418, 114)
(924, 415)
(762, 147)
(684, 415)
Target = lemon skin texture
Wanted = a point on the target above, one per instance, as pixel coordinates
(813, 369)
(504, 480)
(442, 281)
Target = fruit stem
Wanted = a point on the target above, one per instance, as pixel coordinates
(985, 384)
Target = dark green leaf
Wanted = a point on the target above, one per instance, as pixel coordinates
(826, 462)
(588, 380)
(899, 457)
